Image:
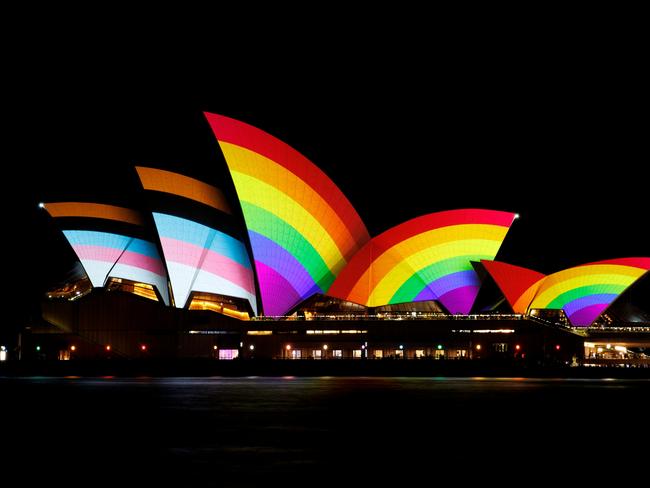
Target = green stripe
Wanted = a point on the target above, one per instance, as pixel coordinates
(416, 283)
(568, 296)
(271, 226)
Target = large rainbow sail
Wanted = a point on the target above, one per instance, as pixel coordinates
(584, 292)
(426, 258)
(302, 229)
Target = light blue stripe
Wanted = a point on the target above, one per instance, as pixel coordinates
(114, 241)
(200, 235)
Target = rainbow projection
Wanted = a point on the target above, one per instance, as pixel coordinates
(584, 292)
(107, 254)
(517, 284)
(302, 229)
(427, 258)
(198, 256)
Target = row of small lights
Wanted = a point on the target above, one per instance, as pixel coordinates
(401, 346)
(143, 347)
(107, 347)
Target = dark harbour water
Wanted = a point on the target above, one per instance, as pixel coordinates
(320, 431)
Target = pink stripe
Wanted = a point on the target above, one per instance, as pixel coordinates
(97, 253)
(110, 255)
(185, 253)
(143, 262)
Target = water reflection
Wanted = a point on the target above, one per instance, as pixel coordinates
(246, 431)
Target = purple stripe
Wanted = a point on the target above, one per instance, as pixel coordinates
(452, 281)
(580, 303)
(447, 283)
(425, 294)
(282, 262)
(278, 295)
(585, 316)
(459, 300)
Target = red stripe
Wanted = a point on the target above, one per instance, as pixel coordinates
(360, 262)
(512, 280)
(437, 220)
(235, 132)
(349, 275)
(643, 263)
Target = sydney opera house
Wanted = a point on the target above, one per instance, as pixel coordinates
(288, 270)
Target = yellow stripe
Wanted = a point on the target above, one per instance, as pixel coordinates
(257, 166)
(385, 262)
(258, 193)
(566, 280)
(387, 286)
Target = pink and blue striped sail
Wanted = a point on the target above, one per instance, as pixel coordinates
(200, 258)
(104, 255)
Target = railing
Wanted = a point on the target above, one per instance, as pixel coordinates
(390, 317)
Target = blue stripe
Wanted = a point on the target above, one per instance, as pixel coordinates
(114, 241)
(202, 236)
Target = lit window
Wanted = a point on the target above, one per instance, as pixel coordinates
(337, 353)
(378, 354)
(317, 353)
(419, 353)
(296, 354)
(228, 354)
(356, 353)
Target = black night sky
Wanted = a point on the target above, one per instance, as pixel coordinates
(541, 112)
(557, 137)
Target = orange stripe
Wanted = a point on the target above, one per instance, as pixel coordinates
(94, 210)
(184, 186)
